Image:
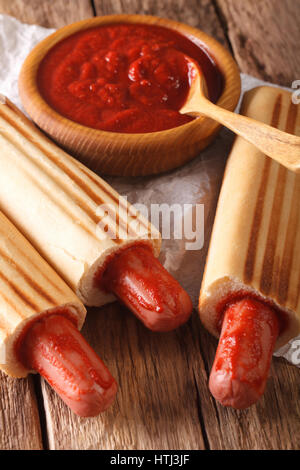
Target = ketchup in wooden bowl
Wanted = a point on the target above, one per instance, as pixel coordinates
(124, 77)
(109, 90)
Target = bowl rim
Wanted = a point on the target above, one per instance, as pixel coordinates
(39, 107)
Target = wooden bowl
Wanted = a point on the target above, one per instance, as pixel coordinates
(123, 154)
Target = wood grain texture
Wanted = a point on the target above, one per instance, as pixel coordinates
(51, 14)
(197, 13)
(272, 424)
(19, 418)
(156, 406)
(264, 36)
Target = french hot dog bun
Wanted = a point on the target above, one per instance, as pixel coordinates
(29, 288)
(255, 244)
(58, 203)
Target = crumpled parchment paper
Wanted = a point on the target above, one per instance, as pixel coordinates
(198, 182)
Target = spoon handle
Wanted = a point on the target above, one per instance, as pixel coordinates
(279, 145)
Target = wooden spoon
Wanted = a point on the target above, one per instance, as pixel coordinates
(279, 145)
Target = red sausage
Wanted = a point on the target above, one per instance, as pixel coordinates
(241, 367)
(56, 349)
(138, 279)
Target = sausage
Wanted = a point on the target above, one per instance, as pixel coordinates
(138, 279)
(241, 367)
(56, 349)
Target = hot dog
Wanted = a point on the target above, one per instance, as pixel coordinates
(154, 296)
(54, 347)
(39, 321)
(250, 294)
(241, 367)
(78, 222)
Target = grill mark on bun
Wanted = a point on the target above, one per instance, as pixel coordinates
(30, 281)
(71, 174)
(258, 212)
(271, 274)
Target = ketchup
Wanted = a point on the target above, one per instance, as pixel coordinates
(130, 78)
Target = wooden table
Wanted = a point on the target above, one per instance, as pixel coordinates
(163, 400)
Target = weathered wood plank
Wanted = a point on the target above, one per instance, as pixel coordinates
(53, 14)
(19, 418)
(265, 37)
(198, 13)
(156, 406)
(274, 423)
